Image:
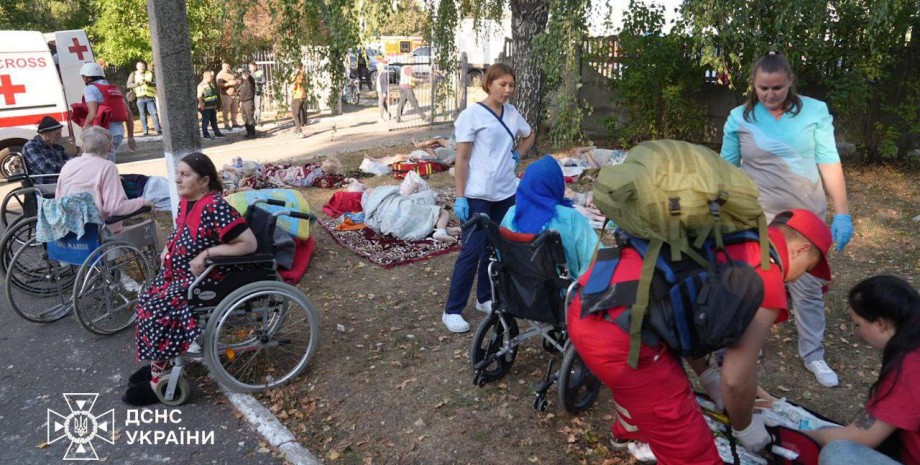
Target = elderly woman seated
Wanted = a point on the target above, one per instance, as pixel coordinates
(92, 172)
(207, 226)
(541, 205)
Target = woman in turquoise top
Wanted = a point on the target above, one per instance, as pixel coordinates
(785, 142)
(541, 206)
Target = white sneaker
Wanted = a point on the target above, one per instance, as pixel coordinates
(824, 373)
(642, 452)
(455, 323)
(130, 284)
(484, 307)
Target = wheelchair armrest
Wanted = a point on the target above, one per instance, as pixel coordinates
(139, 211)
(17, 178)
(241, 259)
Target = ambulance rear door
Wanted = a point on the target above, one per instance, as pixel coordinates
(29, 86)
(73, 50)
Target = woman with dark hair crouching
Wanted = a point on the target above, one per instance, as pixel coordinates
(886, 311)
(206, 226)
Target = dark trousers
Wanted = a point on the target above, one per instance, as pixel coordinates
(209, 116)
(296, 107)
(474, 258)
(364, 76)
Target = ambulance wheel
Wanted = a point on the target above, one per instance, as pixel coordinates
(578, 387)
(183, 390)
(490, 338)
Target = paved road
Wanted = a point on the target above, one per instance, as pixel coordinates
(40, 363)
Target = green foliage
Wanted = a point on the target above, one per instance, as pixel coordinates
(443, 30)
(853, 53)
(658, 85)
(409, 19)
(561, 46)
(44, 15)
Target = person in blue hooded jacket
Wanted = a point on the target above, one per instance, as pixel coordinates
(541, 205)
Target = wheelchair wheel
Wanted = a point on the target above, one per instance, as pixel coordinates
(107, 287)
(14, 206)
(490, 337)
(17, 234)
(578, 387)
(38, 288)
(260, 336)
(182, 393)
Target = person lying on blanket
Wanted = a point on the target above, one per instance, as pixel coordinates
(541, 205)
(411, 217)
(886, 311)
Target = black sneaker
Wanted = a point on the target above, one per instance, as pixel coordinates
(159, 131)
(219, 135)
(208, 137)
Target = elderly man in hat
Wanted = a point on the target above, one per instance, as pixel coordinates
(43, 154)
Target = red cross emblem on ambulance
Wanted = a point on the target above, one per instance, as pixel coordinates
(77, 49)
(8, 90)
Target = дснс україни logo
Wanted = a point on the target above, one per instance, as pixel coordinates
(80, 426)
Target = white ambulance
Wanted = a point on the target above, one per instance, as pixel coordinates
(39, 76)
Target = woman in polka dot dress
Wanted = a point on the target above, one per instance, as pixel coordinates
(207, 226)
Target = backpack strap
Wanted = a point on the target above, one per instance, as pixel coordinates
(499, 118)
(641, 305)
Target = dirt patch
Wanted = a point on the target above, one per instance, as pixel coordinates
(396, 387)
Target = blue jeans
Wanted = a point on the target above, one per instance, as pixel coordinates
(843, 452)
(148, 106)
(116, 141)
(209, 116)
(474, 258)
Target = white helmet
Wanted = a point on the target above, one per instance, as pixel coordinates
(91, 70)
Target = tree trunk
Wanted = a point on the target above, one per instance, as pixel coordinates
(528, 19)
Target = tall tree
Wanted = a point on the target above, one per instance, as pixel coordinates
(44, 15)
(528, 21)
(409, 18)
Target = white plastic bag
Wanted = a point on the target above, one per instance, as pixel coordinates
(369, 165)
(412, 183)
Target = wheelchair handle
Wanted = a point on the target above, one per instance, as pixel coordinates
(275, 202)
(119, 218)
(474, 221)
(300, 215)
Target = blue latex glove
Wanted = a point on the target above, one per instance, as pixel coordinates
(516, 156)
(462, 209)
(842, 230)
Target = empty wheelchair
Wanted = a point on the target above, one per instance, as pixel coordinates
(98, 275)
(259, 332)
(530, 282)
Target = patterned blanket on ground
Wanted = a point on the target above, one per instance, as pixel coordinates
(387, 251)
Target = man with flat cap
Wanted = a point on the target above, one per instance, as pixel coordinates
(43, 154)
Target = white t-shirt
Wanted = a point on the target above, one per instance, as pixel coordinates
(491, 175)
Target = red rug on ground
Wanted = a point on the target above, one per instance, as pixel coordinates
(343, 202)
(385, 251)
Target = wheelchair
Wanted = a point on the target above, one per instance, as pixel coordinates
(530, 282)
(98, 276)
(259, 332)
(20, 202)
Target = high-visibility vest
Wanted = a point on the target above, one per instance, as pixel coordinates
(147, 89)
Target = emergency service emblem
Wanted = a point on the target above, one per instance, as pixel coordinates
(80, 426)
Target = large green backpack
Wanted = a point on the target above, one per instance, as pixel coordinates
(679, 194)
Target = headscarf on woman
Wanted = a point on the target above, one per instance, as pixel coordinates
(541, 189)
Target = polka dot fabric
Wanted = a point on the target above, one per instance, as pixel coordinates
(165, 324)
